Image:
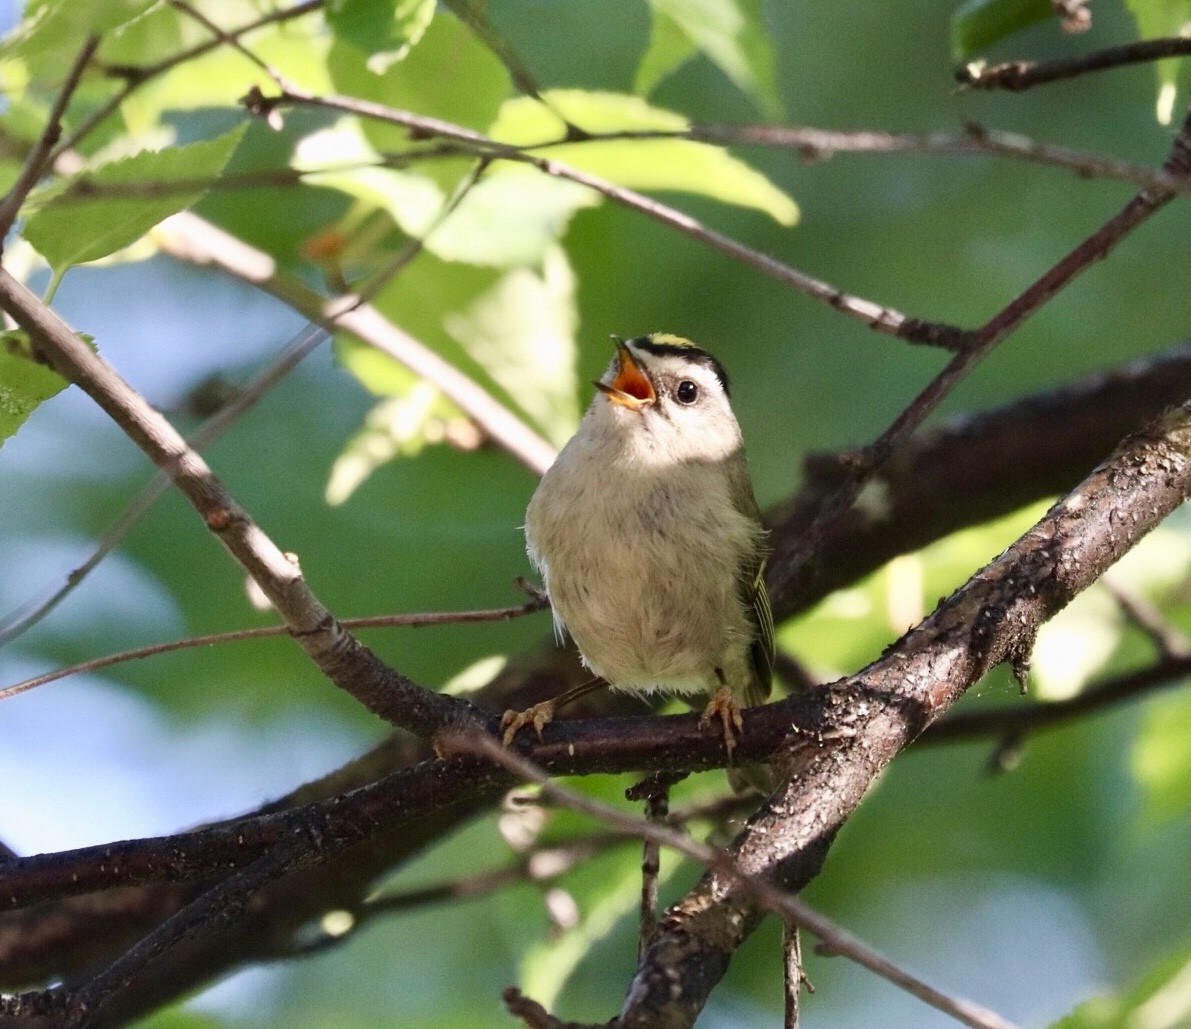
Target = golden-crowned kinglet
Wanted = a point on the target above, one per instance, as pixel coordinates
(647, 535)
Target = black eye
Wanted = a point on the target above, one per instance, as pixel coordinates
(687, 392)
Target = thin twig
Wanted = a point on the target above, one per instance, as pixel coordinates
(1020, 720)
(190, 238)
(1094, 248)
(342, 658)
(39, 158)
(135, 77)
(1019, 75)
(819, 144)
(185, 236)
(1171, 642)
(419, 620)
(878, 317)
(231, 39)
(772, 897)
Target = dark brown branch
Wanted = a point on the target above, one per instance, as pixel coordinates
(879, 711)
(1019, 75)
(765, 893)
(1078, 422)
(788, 566)
(1016, 722)
(998, 461)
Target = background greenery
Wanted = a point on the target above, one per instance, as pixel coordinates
(1031, 891)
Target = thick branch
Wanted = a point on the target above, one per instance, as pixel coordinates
(879, 711)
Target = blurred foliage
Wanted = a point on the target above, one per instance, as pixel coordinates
(383, 488)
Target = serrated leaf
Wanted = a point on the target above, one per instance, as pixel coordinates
(522, 332)
(385, 31)
(731, 33)
(58, 27)
(24, 382)
(69, 227)
(647, 164)
(1157, 18)
(977, 24)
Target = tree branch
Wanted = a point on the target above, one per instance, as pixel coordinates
(341, 657)
(879, 711)
(1020, 75)
(187, 237)
(788, 566)
(39, 158)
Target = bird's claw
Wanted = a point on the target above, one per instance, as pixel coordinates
(539, 716)
(724, 706)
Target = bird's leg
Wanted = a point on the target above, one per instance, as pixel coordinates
(726, 707)
(542, 714)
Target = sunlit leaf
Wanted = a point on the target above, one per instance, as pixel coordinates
(522, 331)
(48, 38)
(427, 81)
(647, 164)
(731, 33)
(1161, 1000)
(398, 426)
(669, 49)
(1157, 18)
(1162, 759)
(510, 218)
(24, 382)
(219, 77)
(71, 225)
(341, 157)
(385, 30)
(978, 24)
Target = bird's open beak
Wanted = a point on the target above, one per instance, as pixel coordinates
(630, 387)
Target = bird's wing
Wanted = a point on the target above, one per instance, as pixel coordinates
(754, 594)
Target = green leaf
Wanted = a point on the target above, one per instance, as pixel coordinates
(977, 24)
(341, 157)
(1162, 759)
(509, 218)
(218, 78)
(399, 426)
(647, 164)
(49, 36)
(669, 49)
(69, 226)
(733, 36)
(1162, 998)
(24, 382)
(1157, 18)
(448, 75)
(386, 31)
(522, 332)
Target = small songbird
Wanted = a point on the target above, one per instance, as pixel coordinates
(648, 538)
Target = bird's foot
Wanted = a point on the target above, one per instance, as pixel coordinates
(724, 706)
(539, 716)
